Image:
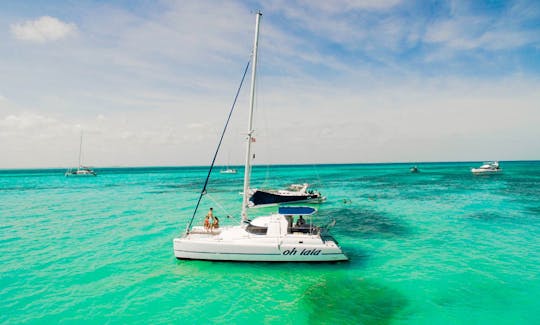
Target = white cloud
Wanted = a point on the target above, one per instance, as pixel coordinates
(466, 30)
(347, 5)
(43, 29)
(25, 121)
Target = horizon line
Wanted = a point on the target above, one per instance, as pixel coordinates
(276, 165)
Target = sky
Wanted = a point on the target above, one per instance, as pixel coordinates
(150, 83)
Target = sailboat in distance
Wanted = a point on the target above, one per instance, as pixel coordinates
(285, 236)
(81, 170)
(228, 170)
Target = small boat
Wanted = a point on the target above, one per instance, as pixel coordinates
(228, 171)
(414, 169)
(293, 194)
(81, 170)
(487, 168)
(268, 238)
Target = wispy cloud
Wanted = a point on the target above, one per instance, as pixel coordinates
(348, 5)
(43, 29)
(400, 35)
(25, 121)
(28, 125)
(481, 32)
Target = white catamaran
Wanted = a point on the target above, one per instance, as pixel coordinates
(272, 238)
(81, 170)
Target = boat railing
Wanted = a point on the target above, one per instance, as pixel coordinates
(313, 230)
(202, 231)
(326, 237)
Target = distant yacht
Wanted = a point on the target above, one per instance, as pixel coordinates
(228, 170)
(295, 193)
(487, 168)
(81, 170)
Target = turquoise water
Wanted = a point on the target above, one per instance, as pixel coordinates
(438, 247)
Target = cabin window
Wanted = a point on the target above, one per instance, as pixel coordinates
(256, 230)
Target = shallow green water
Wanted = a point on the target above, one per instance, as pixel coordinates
(440, 246)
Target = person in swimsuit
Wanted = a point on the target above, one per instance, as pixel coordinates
(215, 223)
(209, 216)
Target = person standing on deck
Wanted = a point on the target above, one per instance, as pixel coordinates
(209, 216)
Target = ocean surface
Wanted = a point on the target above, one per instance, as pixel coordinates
(438, 247)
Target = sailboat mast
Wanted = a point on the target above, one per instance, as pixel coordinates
(80, 151)
(247, 171)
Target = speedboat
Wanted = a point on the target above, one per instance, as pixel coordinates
(294, 193)
(487, 168)
(228, 171)
(414, 169)
(268, 238)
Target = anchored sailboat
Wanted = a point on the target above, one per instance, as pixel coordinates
(228, 170)
(272, 238)
(81, 170)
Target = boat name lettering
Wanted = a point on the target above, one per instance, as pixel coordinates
(304, 251)
(290, 252)
(310, 252)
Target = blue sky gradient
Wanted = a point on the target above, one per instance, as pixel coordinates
(150, 82)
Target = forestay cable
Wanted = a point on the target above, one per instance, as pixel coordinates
(217, 149)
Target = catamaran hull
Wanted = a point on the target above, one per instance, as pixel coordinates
(80, 175)
(269, 252)
(485, 171)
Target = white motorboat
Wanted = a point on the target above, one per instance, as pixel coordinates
(270, 238)
(228, 171)
(294, 194)
(81, 170)
(487, 168)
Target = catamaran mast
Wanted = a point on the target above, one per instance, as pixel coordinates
(247, 171)
(80, 152)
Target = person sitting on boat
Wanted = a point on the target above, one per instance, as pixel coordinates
(300, 222)
(215, 223)
(209, 216)
(207, 223)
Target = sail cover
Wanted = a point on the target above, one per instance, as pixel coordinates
(296, 210)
